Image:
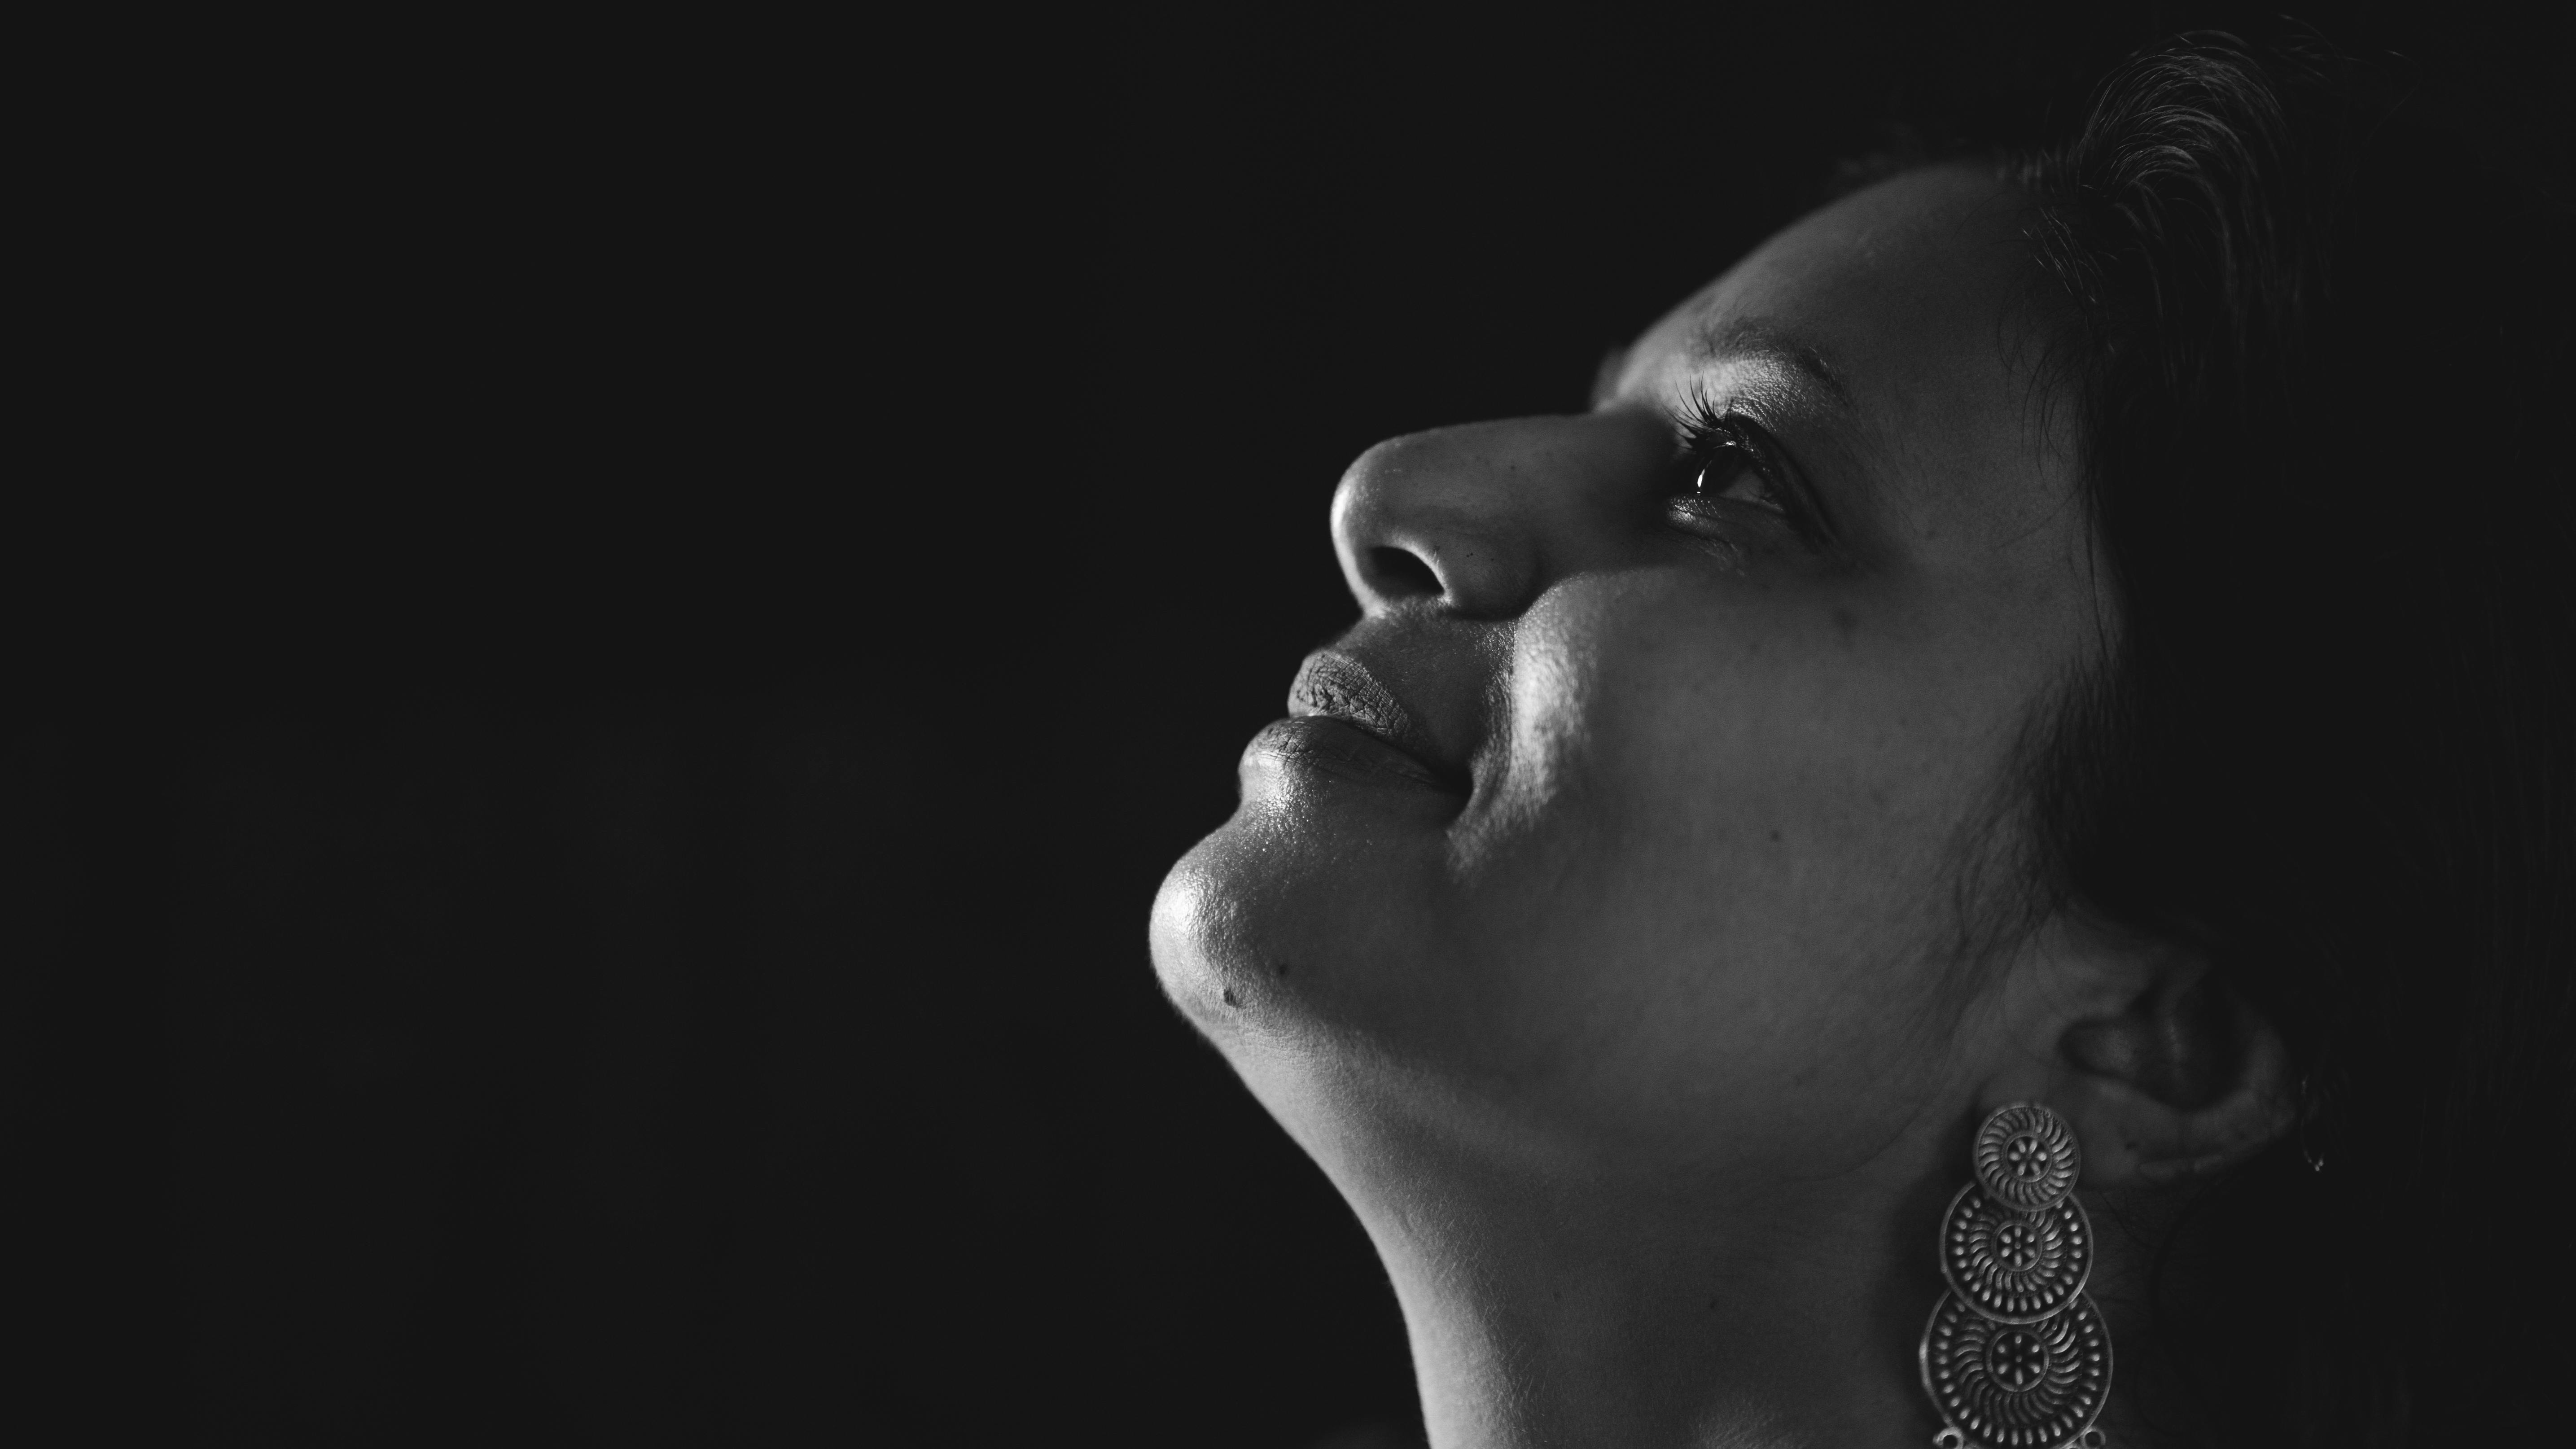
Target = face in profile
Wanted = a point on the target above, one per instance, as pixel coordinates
(1632, 834)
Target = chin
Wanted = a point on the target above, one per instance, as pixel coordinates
(1242, 931)
(1306, 908)
(1291, 955)
(1190, 933)
(1280, 931)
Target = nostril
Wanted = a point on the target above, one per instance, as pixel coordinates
(1401, 574)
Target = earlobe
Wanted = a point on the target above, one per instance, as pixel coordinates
(2188, 1079)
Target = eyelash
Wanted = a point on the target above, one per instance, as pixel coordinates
(1709, 433)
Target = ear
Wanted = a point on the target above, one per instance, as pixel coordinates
(2163, 1069)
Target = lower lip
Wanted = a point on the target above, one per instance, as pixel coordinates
(1337, 750)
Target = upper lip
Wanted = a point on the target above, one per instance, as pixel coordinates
(1338, 686)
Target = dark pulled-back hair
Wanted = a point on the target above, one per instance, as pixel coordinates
(2314, 319)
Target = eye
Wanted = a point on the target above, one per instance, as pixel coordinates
(1725, 467)
(1729, 476)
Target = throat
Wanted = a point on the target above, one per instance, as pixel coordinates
(1529, 1330)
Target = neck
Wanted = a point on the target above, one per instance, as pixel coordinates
(1571, 1316)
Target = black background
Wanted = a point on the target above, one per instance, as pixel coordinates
(617, 629)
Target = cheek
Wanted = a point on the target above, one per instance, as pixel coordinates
(1721, 834)
(1753, 748)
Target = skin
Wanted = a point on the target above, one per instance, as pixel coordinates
(1649, 1047)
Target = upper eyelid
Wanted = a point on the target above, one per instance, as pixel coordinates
(1700, 413)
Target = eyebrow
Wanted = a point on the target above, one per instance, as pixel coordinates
(1752, 340)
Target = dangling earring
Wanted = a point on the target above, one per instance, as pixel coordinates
(2016, 1356)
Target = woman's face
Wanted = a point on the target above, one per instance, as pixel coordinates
(1632, 828)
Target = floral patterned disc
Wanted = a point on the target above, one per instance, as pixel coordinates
(2017, 1385)
(2015, 1266)
(2026, 1158)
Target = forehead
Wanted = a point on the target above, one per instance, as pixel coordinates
(1898, 313)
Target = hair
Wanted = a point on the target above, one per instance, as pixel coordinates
(2314, 327)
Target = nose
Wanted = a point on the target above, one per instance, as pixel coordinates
(1480, 519)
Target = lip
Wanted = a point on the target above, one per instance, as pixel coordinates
(1337, 689)
(1342, 750)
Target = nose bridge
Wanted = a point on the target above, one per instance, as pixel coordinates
(1477, 516)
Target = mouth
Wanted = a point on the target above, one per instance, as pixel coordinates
(1343, 718)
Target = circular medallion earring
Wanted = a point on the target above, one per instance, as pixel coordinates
(2016, 1356)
